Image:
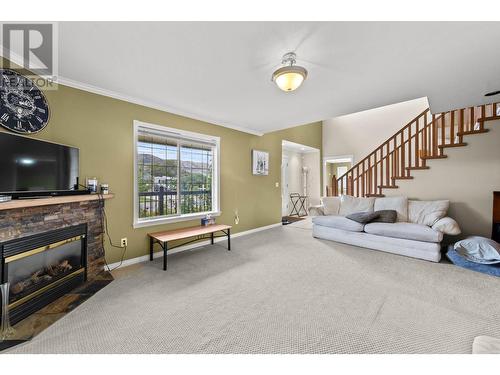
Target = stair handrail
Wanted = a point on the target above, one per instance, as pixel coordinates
(430, 142)
(385, 143)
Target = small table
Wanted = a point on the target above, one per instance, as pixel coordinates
(200, 232)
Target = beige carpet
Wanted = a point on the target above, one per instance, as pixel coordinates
(306, 223)
(281, 291)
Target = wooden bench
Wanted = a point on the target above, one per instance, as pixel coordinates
(200, 232)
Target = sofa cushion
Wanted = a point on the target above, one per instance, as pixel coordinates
(409, 231)
(398, 204)
(331, 205)
(350, 205)
(447, 225)
(427, 212)
(385, 216)
(338, 222)
(363, 217)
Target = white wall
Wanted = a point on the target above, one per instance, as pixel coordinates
(360, 133)
(312, 161)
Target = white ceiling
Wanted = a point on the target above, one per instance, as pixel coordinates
(220, 72)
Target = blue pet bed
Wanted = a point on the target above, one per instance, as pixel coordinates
(457, 260)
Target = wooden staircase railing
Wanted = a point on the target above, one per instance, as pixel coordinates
(423, 138)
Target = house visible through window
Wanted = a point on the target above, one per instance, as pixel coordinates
(176, 174)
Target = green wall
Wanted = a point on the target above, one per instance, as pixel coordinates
(102, 128)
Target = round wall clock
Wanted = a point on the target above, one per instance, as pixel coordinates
(23, 106)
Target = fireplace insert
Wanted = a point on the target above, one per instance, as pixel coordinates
(43, 267)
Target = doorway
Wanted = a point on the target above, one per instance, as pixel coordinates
(335, 166)
(300, 176)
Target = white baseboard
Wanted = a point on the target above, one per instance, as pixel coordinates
(159, 254)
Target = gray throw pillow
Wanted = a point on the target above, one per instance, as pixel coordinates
(385, 216)
(362, 217)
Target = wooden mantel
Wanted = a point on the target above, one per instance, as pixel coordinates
(23, 203)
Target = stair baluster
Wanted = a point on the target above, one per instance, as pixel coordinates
(452, 128)
(443, 135)
(409, 148)
(471, 125)
(417, 158)
(461, 126)
(402, 163)
(483, 115)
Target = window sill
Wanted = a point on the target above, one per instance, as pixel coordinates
(173, 219)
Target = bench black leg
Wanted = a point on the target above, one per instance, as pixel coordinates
(165, 248)
(302, 208)
(151, 243)
(212, 238)
(229, 239)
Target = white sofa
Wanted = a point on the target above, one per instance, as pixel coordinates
(417, 233)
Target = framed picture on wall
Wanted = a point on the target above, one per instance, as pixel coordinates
(260, 163)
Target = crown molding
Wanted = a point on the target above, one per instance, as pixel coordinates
(145, 103)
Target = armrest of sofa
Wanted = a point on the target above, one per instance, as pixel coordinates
(316, 210)
(447, 225)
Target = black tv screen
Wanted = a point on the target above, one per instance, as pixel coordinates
(31, 165)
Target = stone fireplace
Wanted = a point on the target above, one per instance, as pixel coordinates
(42, 267)
(48, 247)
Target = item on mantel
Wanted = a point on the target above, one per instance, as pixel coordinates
(5, 198)
(104, 189)
(208, 220)
(92, 184)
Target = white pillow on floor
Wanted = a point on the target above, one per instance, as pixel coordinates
(479, 250)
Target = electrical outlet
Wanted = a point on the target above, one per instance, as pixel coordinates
(123, 242)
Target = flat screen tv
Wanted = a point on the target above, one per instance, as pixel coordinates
(30, 167)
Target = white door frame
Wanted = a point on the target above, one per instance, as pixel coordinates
(284, 185)
(333, 159)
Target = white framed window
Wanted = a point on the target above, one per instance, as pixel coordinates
(176, 175)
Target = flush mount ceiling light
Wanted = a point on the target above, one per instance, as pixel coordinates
(289, 77)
